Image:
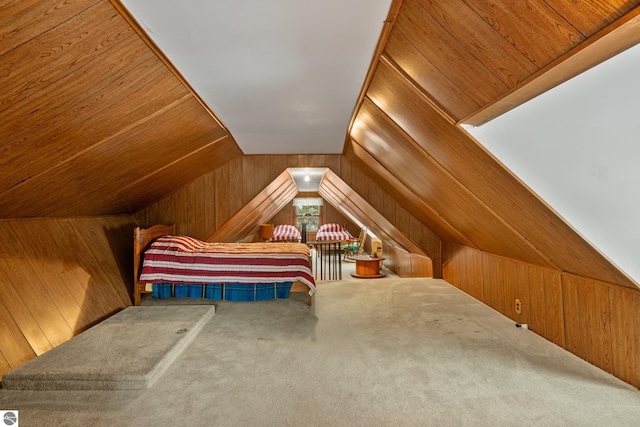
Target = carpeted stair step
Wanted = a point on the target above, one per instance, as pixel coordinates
(129, 350)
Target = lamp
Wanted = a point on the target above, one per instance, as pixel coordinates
(266, 231)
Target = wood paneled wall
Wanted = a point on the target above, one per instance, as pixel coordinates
(93, 121)
(384, 202)
(246, 222)
(328, 215)
(203, 206)
(206, 204)
(595, 320)
(406, 264)
(79, 273)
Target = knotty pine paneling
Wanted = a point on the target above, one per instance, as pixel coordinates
(597, 321)
(57, 278)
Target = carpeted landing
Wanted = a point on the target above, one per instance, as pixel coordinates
(115, 355)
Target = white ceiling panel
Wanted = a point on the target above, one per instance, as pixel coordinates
(282, 75)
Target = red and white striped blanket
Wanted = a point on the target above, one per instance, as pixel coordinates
(286, 232)
(185, 260)
(333, 232)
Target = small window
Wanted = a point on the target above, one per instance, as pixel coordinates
(308, 212)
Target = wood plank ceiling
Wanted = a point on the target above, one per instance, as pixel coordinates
(445, 62)
(94, 122)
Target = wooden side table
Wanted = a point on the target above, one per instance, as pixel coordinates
(367, 267)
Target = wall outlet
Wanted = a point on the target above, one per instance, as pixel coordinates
(518, 306)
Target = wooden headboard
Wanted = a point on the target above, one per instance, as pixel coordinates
(142, 238)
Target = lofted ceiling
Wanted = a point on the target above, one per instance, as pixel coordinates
(282, 75)
(103, 113)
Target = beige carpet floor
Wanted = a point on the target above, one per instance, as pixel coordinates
(114, 356)
(384, 352)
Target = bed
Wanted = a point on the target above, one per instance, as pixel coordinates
(333, 232)
(286, 233)
(167, 265)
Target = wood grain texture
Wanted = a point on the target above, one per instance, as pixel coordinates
(259, 210)
(595, 320)
(450, 199)
(589, 17)
(606, 43)
(57, 278)
(25, 19)
(397, 193)
(480, 40)
(56, 54)
(552, 36)
(475, 170)
(405, 264)
(88, 104)
(334, 190)
(625, 321)
(435, 84)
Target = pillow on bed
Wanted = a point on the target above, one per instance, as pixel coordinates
(330, 227)
(286, 232)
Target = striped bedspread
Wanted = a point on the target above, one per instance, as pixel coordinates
(185, 260)
(333, 232)
(286, 232)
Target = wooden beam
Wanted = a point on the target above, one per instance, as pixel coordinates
(610, 41)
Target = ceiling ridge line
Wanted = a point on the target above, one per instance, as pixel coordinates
(124, 12)
(387, 26)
